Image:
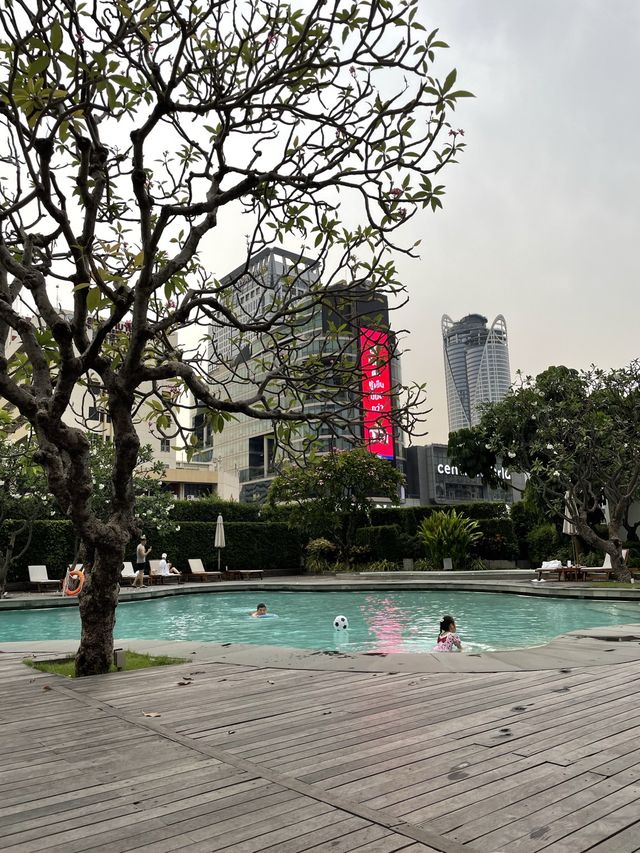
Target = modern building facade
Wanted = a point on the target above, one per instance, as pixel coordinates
(476, 364)
(433, 479)
(347, 328)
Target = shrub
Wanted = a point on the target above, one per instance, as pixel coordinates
(448, 534)
(380, 566)
(543, 542)
(423, 565)
(320, 556)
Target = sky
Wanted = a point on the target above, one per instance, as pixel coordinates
(541, 218)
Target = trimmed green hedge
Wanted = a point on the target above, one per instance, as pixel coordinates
(52, 545)
(408, 518)
(249, 545)
(384, 541)
(393, 542)
(498, 540)
(205, 509)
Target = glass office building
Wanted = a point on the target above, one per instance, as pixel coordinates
(247, 447)
(476, 364)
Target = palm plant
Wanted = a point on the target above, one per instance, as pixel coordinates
(448, 534)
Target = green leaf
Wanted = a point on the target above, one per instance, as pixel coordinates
(450, 80)
(93, 298)
(56, 36)
(37, 65)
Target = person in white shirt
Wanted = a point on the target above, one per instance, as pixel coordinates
(166, 568)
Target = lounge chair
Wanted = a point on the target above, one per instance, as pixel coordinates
(605, 570)
(549, 568)
(127, 575)
(40, 579)
(198, 572)
(244, 574)
(156, 578)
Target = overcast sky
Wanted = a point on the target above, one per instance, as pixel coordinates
(541, 217)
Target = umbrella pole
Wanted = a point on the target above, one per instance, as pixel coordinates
(218, 559)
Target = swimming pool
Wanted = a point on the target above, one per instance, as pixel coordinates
(380, 621)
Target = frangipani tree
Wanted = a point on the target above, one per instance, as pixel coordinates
(577, 435)
(333, 492)
(131, 134)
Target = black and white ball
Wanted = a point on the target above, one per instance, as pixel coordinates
(341, 623)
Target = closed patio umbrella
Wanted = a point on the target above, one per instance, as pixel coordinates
(568, 525)
(219, 540)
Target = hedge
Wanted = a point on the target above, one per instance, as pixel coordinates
(249, 545)
(408, 518)
(52, 544)
(498, 542)
(205, 509)
(390, 542)
(384, 541)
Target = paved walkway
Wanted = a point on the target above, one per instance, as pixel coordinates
(247, 749)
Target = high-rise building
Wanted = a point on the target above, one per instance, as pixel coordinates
(349, 326)
(476, 364)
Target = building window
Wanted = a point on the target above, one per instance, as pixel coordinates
(165, 445)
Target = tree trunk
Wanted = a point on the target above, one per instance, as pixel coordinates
(4, 571)
(98, 602)
(614, 549)
(611, 546)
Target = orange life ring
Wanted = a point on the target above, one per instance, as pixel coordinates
(74, 573)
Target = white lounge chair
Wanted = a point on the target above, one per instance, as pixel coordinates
(39, 578)
(127, 575)
(198, 572)
(156, 577)
(605, 570)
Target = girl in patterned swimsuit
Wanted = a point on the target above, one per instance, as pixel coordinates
(448, 637)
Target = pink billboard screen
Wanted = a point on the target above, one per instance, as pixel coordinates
(376, 392)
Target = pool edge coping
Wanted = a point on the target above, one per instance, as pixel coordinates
(582, 648)
(35, 601)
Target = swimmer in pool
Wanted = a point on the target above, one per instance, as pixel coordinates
(261, 610)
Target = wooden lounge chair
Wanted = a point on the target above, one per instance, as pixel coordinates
(605, 571)
(40, 579)
(127, 575)
(550, 568)
(198, 572)
(156, 578)
(244, 574)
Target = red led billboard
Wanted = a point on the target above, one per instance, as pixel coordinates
(376, 392)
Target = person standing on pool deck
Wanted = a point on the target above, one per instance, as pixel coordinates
(447, 639)
(142, 554)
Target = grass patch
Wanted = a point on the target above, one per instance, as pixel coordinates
(616, 585)
(133, 660)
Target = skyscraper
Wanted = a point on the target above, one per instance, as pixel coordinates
(476, 364)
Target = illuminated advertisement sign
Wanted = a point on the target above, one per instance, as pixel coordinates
(376, 392)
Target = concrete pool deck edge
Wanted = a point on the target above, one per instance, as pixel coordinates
(347, 583)
(594, 647)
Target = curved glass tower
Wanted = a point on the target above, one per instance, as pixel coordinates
(476, 364)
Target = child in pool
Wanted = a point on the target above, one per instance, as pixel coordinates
(447, 638)
(261, 610)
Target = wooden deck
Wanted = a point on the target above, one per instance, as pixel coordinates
(246, 759)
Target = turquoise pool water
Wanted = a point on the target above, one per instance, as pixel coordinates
(380, 621)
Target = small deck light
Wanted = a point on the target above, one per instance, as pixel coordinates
(119, 657)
